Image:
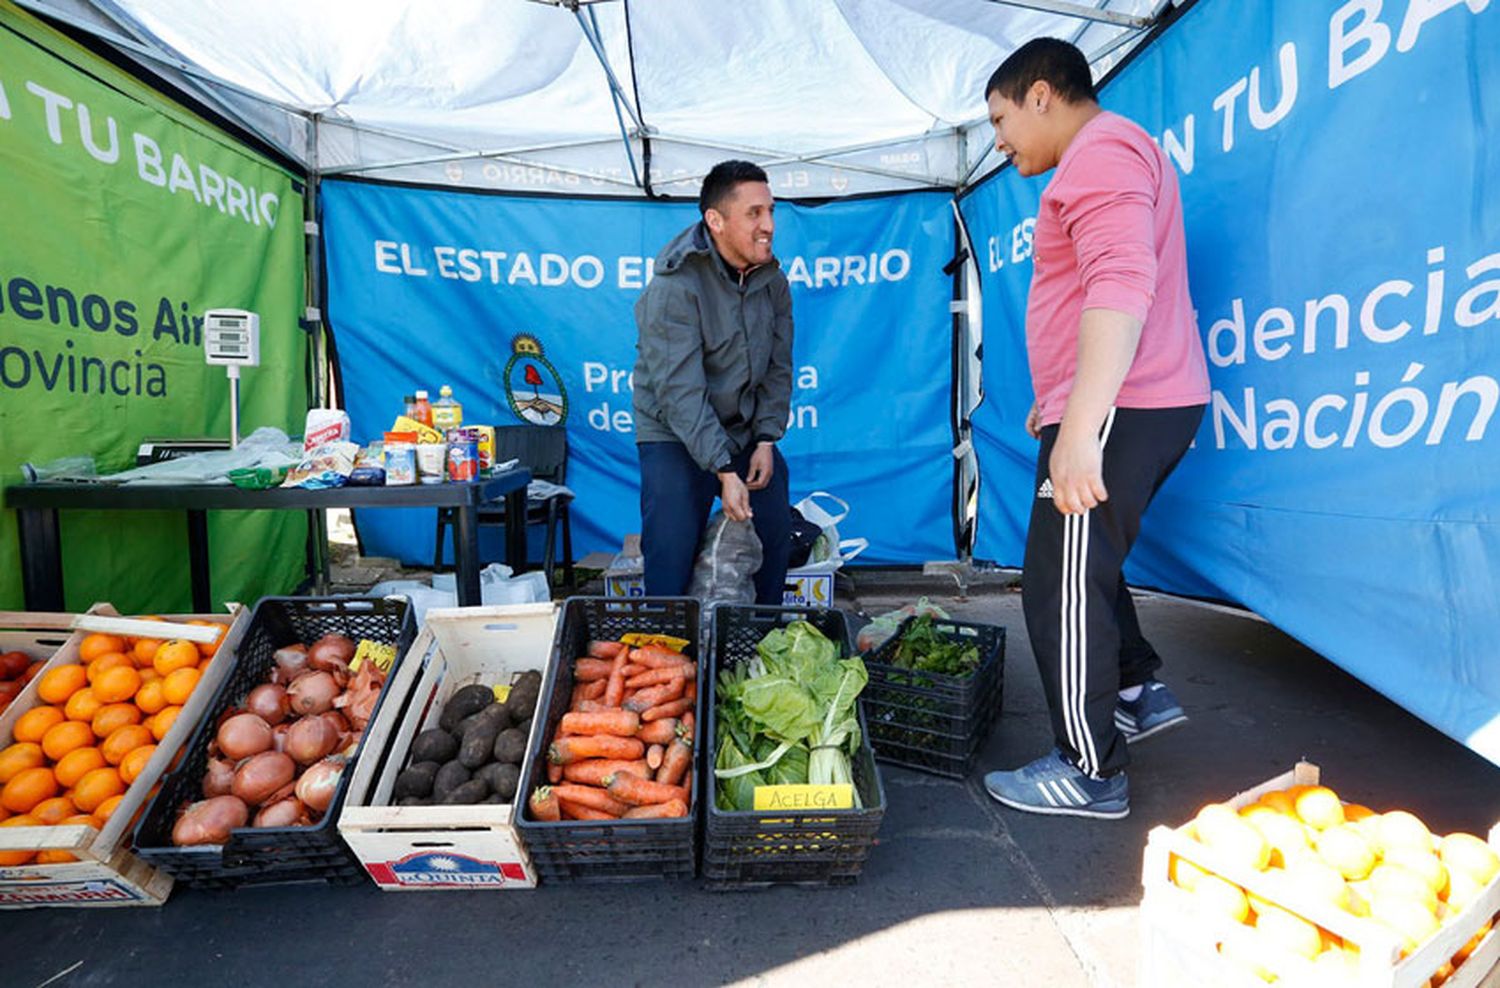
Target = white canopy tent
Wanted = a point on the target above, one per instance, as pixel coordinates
(608, 97)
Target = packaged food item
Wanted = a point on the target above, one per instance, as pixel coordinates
(327, 466)
(486, 446)
(422, 410)
(400, 458)
(463, 455)
(432, 459)
(446, 413)
(424, 433)
(324, 425)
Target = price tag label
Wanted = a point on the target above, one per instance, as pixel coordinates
(804, 798)
(502, 693)
(384, 656)
(636, 639)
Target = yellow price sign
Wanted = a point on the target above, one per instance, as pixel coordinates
(637, 638)
(384, 656)
(803, 798)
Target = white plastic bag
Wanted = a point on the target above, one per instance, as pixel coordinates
(728, 559)
(829, 552)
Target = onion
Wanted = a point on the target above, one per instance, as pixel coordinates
(313, 692)
(285, 812)
(244, 735)
(311, 738)
(278, 736)
(317, 785)
(291, 660)
(269, 703)
(331, 653)
(259, 777)
(218, 777)
(210, 821)
(338, 720)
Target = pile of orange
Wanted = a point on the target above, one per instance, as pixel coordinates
(1384, 869)
(16, 670)
(73, 755)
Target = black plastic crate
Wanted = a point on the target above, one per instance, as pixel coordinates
(270, 855)
(931, 721)
(749, 849)
(612, 850)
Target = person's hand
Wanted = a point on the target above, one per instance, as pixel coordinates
(762, 466)
(1077, 472)
(735, 496)
(1034, 421)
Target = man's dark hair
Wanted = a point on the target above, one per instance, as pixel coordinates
(1057, 62)
(721, 181)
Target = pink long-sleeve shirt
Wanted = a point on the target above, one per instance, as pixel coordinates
(1109, 236)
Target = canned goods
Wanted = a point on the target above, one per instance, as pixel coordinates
(463, 455)
(430, 462)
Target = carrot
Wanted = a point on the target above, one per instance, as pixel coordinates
(655, 677)
(654, 755)
(605, 650)
(554, 773)
(653, 696)
(572, 811)
(675, 765)
(654, 811)
(588, 670)
(589, 707)
(593, 771)
(642, 792)
(690, 692)
(657, 656)
(614, 691)
(566, 750)
(688, 720)
(676, 708)
(543, 803)
(576, 697)
(595, 690)
(631, 669)
(594, 799)
(621, 723)
(658, 732)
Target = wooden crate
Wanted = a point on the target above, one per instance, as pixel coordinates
(37, 633)
(107, 873)
(417, 848)
(1179, 943)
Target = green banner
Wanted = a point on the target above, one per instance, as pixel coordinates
(125, 218)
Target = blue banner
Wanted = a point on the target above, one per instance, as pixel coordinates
(1337, 164)
(524, 306)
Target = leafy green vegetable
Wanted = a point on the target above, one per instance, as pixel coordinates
(922, 647)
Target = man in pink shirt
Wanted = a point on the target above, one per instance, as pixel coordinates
(1121, 383)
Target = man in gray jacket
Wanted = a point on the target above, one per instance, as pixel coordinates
(713, 384)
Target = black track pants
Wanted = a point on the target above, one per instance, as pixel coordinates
(1079, 615)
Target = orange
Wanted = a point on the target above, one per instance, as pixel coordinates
(63, 738)
(10, 859)
(1289, 932)
(36, 722)
(149, 675)
(81, 820)
(27, 789)
(1183, 873)
(1355, 812)
(1470, 855)
(117, 684)
(1221, 898)
(1346, 849)
(97, 644)
(174, 655)
(114, 716)
(1279, 801)
(82, 705)
(1319, 806)
(109, 660)
(18, 758)
(145, 650)
(62, 682)
(1400, 829)
(53, 857)
(134, 763)
(123, 741)
(107, 807)
(54, 811)
(97, 786)
(178, 686)
(149, 697)
(76, 763)
(207, 649)
(162, 722)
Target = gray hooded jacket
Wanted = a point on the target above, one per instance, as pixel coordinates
(713, 369)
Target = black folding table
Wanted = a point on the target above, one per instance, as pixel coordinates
(37, 506)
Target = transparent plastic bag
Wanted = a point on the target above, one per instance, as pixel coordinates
(876, 633)
(728, 559)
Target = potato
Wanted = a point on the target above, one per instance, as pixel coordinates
(502, 779)
(469, 700)
(523, 695)
(473, 791)
(415, 801)
(510, 746)
(478, 746)
(435, 745)
(449, 778)
(416, 780)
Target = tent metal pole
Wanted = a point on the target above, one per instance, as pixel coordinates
(616, 98)
(1070, 9)
(609, 72)
(774, 158)
(313, 322)
(457, 154)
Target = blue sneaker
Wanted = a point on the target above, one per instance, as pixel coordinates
(1155, 710)
(1052, 785)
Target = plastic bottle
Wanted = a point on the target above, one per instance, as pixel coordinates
(446, 413)
(422, 410)
(411, 405)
